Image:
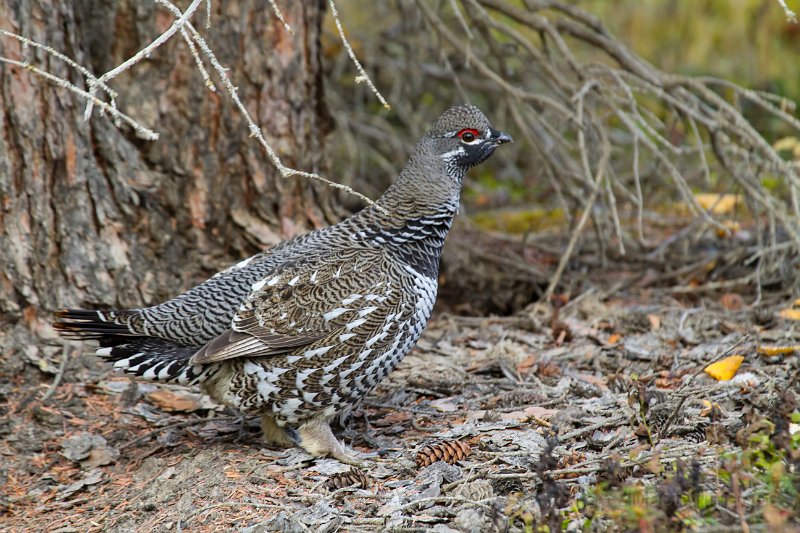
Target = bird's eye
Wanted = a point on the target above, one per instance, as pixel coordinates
(468, 135)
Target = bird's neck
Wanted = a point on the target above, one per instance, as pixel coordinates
(425, 187)
(410, 226)
(413, 237)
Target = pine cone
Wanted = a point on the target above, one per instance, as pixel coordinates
(352, 478)
(569, 460)
(450, 452)
(477, 490)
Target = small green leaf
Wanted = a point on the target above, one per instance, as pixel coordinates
(704, 500)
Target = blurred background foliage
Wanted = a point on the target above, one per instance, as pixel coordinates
(649, 116)
(748, 42)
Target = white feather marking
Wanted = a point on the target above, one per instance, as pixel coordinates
(314, 277)
(376, 338)
(453, 153)
(273, 281)
(133, 368)
(252, 368)
(166, 372)
(290, 406)
(293, 359)
(150, 373)
(355, 323)
(331, 367)
(258, 285)
(353, 368)
(302, 376)
(310, 354)
(102, 352)
(363, 355)
(330, 315)
(366, 310)
(308, 397)
(125, 363)
(266, 389)
(242, 264)
(294, 280)
(352, 298)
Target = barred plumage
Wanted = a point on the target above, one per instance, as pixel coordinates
(304, 330)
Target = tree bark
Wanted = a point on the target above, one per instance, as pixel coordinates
(90, 215)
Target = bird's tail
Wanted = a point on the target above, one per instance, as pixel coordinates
(139, 354)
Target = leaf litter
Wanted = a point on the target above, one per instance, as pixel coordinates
(545, 418)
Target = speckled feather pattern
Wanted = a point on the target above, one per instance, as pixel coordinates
(307, 328)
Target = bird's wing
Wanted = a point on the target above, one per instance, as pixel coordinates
(300, 304)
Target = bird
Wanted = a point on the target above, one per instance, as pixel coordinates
(300, 333)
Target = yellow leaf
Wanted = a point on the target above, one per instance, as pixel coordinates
(790, 314)
(725, 369)
(778, 350)
(787, 143)
(730, 228)
(719, 204)
(708, 408)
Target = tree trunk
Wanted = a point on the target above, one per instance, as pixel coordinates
(90, 215)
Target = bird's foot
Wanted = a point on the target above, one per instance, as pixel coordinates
(317, 439)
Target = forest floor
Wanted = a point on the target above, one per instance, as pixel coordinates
(598, 416)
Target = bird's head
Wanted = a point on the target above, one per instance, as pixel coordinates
(463, 137)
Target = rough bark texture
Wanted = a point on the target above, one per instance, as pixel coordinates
(92, 216)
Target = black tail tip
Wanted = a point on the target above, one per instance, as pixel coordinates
(85, 324)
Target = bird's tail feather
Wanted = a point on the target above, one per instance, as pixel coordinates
(145, 356)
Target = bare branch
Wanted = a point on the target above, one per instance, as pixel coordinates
(255, 130)
(141, 131)
(280, 17)
(362, 74)
(141, 54)
(791, 16)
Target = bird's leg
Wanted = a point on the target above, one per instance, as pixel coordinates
(317, 439)
(274, 435)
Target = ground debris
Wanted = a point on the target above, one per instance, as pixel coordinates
(90, 450)
(619, 409)
(448, 451)
(351, 478)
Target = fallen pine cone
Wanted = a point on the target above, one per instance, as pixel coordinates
(568, 461)
(351, 478)
(450, 452)
(477, 490)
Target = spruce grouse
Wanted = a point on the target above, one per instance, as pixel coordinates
(304, 330)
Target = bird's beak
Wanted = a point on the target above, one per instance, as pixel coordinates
(500, 137)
